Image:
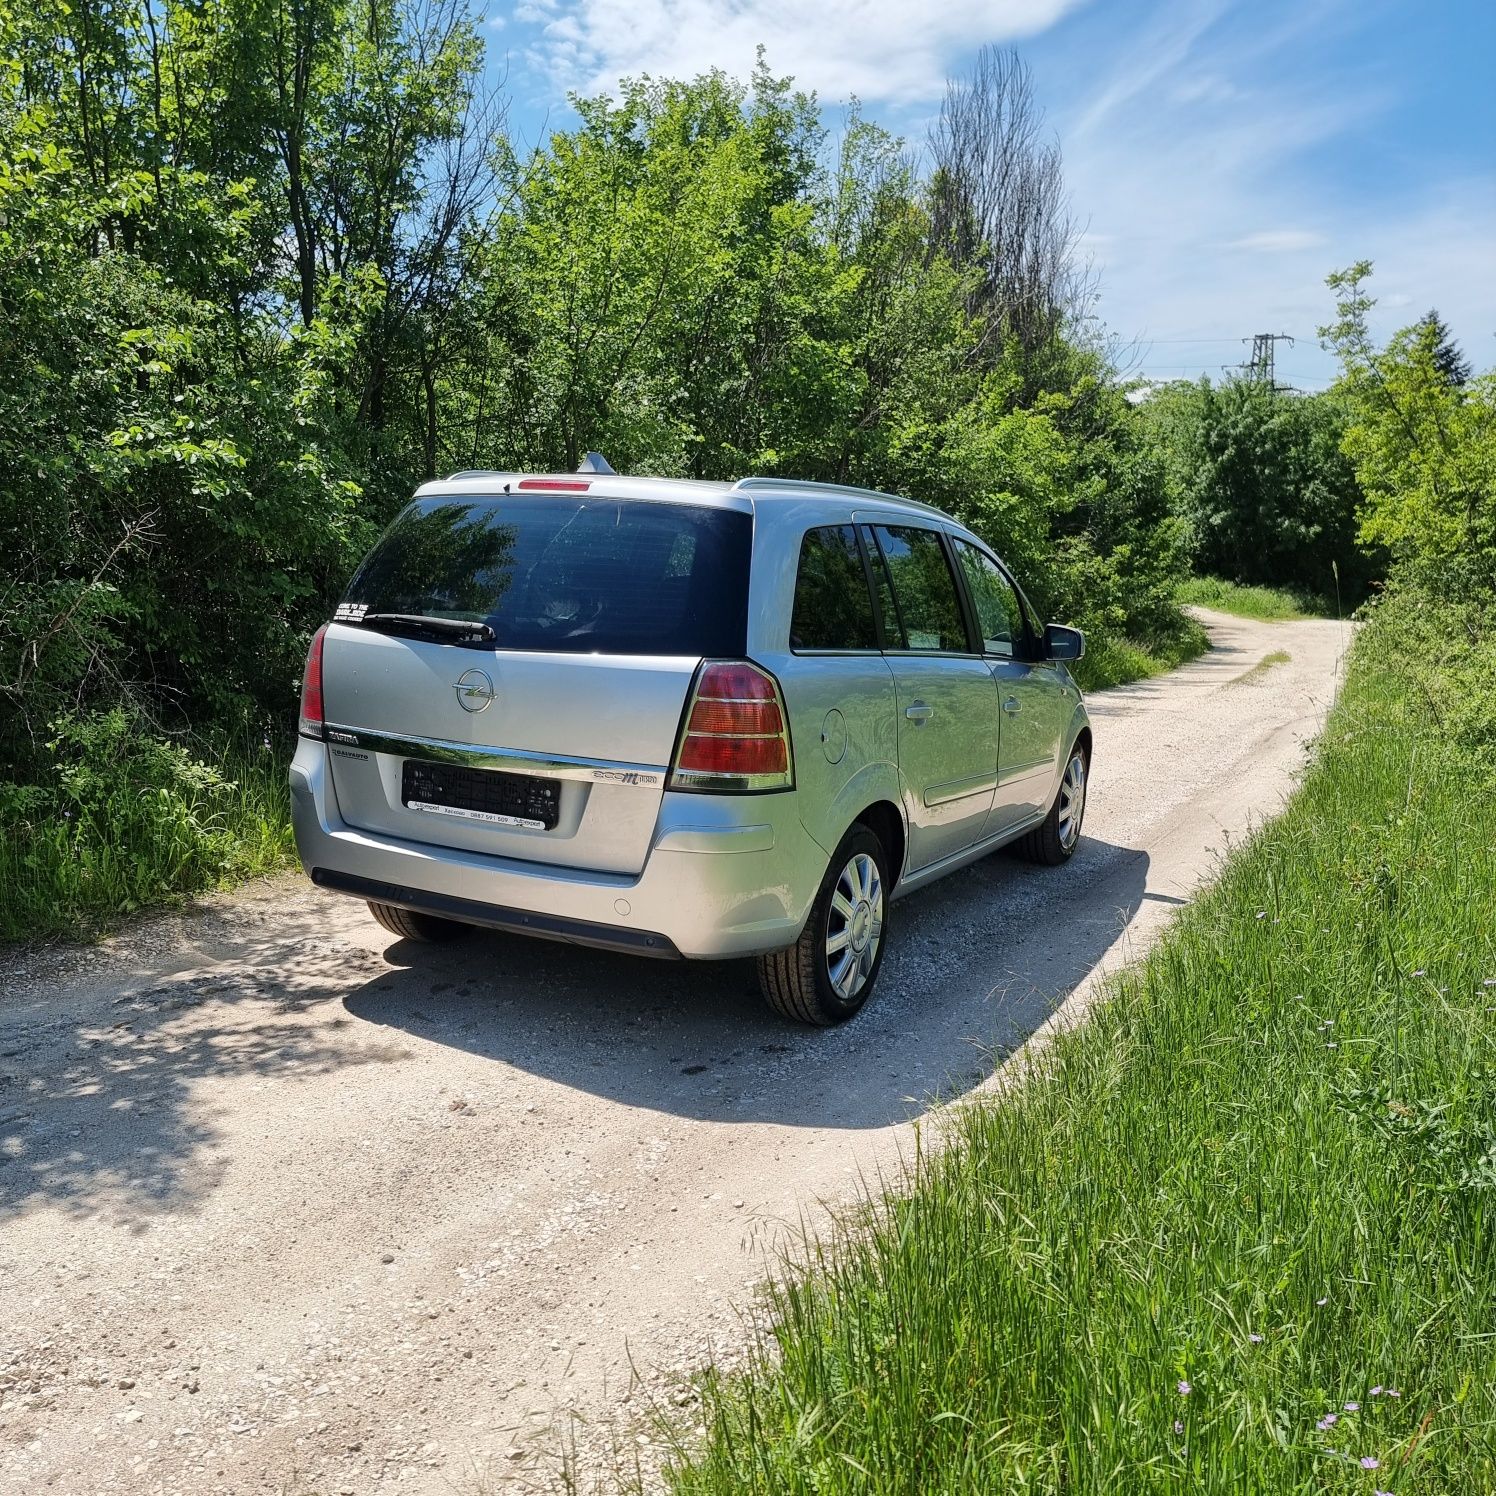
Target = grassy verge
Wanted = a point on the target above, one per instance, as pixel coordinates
(1268, 604)
(1117, 661)
(128, 822)
(1235, 1234)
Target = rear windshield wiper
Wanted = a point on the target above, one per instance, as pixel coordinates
(457, 630)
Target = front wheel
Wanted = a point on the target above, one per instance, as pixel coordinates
(827, 975)
(1054, 840)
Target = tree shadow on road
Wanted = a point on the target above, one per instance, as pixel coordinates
(102, 1104)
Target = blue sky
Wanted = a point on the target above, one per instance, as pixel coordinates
(1223, 155)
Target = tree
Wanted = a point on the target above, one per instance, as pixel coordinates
(1443, 351)
(998, 205)
(1423, 447)
(1263, 486)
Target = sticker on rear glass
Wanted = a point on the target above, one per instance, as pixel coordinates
(487, 816)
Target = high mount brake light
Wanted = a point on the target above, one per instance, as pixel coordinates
(554, 485)
(311, 719)
(735, 736)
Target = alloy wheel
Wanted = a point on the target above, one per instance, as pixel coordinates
(854, 926)
(1072, 801)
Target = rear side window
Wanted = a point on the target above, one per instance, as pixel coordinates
(924, 590)
(998, 614)
(832, 607)
(578, 575)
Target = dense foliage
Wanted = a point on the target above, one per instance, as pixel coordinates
(1267, 494)
(1422, 437)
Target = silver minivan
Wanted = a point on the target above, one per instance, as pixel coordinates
(681, 719)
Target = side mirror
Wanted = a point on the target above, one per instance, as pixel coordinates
(1061, 642)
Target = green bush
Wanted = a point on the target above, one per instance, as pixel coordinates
(1266, 604)
(121, 819)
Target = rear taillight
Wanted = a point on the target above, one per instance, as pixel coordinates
(735, 736)
(310, 723)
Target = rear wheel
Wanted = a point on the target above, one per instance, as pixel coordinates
(1055, 839)
(827, 975)
(410, 924)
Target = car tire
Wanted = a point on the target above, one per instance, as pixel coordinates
(411, 924)
(1056, 837)
(827, 975)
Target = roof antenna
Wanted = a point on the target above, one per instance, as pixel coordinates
(595, 462)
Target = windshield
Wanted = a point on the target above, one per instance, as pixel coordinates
(581, 575)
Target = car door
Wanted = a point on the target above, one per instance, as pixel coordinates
(946, 701)
(1034, 698)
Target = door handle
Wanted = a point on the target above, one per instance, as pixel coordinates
(1012, 706)
(918, 713)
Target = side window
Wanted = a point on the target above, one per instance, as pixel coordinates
(923, 588)
(999, 615)
(832, 606)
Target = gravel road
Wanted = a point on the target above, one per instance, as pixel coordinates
(287, 1207)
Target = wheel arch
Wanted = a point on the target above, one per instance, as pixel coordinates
(884, 819)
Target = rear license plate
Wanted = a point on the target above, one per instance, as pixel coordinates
(486, 795)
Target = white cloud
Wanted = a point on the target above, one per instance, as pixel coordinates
(1209, 88)
(1157, 52)
(1279, 241)
(885, 50)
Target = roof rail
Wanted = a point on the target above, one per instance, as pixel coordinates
(471, 473)
(799, 485)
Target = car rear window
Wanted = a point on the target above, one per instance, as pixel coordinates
(579, 575)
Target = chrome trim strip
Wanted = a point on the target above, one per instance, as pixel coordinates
(716, 839)
(516, 760)
(1026, 770)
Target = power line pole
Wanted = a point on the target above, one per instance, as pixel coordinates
(1259, 367)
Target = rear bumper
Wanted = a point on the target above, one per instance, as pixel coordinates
(516, 921)
(726, 875)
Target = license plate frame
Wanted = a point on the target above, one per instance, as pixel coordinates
(488, 797)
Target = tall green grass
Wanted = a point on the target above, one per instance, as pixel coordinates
(126, 821)
(1267, 604)
(1116, 661)
(1234, 1235)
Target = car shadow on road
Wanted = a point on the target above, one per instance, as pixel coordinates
(113, 1104)
(975, 965)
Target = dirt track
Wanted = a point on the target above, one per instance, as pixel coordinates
(287, 1207)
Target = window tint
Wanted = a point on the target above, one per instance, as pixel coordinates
(924, 589)
(998, 614)
(580, 575)
(832, 606)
